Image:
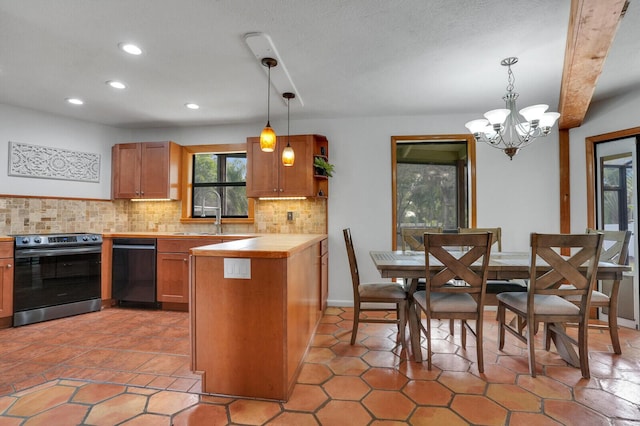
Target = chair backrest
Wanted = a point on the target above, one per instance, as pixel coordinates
(615, 246)
(413, 238)
(496, 238)
(578, 269)
(457, 265)
(353, 264)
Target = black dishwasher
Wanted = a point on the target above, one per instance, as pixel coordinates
(134, 271)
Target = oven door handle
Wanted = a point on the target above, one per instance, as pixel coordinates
(27, 253)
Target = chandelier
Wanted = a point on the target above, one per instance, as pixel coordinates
(507, 129)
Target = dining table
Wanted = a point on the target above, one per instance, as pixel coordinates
(410, 265)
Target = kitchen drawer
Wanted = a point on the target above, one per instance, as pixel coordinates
(6, 249)
(182, 245)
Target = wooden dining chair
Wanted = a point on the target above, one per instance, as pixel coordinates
(413, 238)
(456, 291)
(545, 300)
(615, 249)
(496, 234)
(372, 294)
(494, 287)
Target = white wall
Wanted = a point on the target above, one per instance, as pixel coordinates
(615, 114)
(36, 128)
(521, 195)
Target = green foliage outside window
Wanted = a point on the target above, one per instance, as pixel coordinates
(224, 174)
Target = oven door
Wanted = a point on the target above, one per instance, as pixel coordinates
(50, 277)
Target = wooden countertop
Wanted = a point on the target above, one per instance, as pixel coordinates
(261, 246)
(6, 239)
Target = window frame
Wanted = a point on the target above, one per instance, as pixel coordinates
(188, 153)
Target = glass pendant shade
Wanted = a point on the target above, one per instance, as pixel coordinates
(497, 116)
(268, 139)
(268, 136)
(533, 112)
(548, 119)
(288, 156)
(477, 126)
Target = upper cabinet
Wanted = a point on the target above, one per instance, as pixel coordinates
(146, 170)
(267, 177)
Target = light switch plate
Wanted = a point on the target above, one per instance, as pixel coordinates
(237, 268)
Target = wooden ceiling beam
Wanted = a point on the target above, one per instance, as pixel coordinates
(592, 28)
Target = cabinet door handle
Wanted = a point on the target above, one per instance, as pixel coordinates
(184, 260)
(9, 266)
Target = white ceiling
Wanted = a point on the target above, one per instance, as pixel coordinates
(346, 57)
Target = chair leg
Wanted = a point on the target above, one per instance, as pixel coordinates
(414, 314)
(613, 328)
(428, 333)
(402, 321)
(451, 327)
(463, 333)
(479, 351)
(501, 320)
(547, 338)
(531, 335)
(356, 320)
(583, 350)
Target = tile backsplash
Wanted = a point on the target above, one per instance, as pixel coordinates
(25, 215)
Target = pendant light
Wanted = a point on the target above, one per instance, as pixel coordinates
(288, 156)
(268, 136)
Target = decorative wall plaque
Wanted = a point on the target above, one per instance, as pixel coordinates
(52, 163)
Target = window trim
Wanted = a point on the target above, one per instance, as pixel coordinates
(188, 152)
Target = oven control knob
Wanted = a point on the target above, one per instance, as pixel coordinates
(94, 237)
(85, 238)
(25, 240)
(37, 240)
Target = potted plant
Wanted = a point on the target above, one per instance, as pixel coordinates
(322, 167)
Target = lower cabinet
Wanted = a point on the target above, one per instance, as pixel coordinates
(173, 267)
(6, 283)
(324, 273)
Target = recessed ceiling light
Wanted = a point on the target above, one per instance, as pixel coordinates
(131, 49)
(192, 106)
(75, 101)
(116, 84)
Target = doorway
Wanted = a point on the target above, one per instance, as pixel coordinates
(616, 210)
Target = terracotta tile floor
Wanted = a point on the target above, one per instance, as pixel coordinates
(131, 367)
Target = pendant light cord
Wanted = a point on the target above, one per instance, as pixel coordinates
(269, 97)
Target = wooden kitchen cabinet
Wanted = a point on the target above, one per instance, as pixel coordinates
(173, 267)
(6, 284)
(146, 170)
(267, 177)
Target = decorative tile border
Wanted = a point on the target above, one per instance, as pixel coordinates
(52, 163)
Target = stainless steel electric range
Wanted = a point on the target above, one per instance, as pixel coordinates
(56, 275)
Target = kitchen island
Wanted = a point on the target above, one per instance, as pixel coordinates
(254, 306)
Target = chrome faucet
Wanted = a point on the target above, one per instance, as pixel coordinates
(218, 211)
